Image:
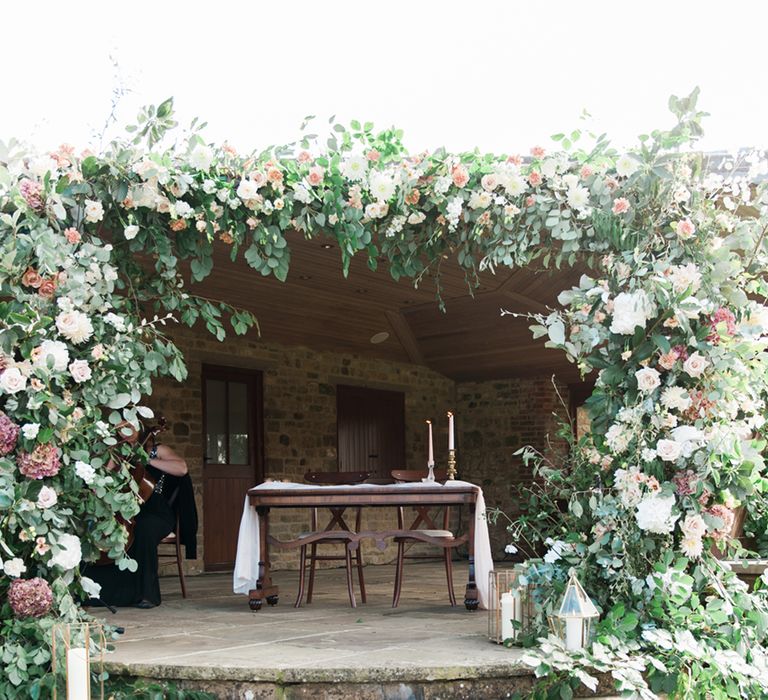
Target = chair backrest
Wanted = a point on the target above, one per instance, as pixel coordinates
(418, 474)
(336, 478)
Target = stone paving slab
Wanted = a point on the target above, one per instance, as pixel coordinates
(214, 635)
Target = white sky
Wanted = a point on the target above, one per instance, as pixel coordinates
(502, 76)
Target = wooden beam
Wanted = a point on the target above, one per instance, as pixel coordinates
(405, 336)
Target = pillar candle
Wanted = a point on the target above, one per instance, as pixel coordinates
(431, 458)
(573, 628)
(451, 441)
(507, 615)
(77, 674)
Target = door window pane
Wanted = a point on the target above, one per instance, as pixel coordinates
(238, 423)
(216, 421)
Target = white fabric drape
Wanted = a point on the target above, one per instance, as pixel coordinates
(247, 559)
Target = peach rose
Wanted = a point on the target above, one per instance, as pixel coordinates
(304, 157)
(31, 278)
(47, 288)
(178, 225)
(315, 176)
(530, 200)
(535, 178)
(515, 160)
(373, 155)
(585, 172)
(537, 152)
(274, 176)
(667, 360)
(413, 197)
(72, 235)
(685, 229)
(460, 176)
(489, 182)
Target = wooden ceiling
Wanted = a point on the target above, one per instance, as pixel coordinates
(317, 308)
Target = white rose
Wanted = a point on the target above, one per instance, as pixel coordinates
(668, 450)
(94, 211)
(12, 380)
(183, 210)
(47, 497)
(14, 567)
(30, 430)
(630, 311)
(130, 232)
(80, 371)
(74, 326)
(693, 526)
(246, 190)
(695, 365)
(85, 471)
(42, 165)
(675, 398)
(654, 514)
(647, 379)
(201, 158)
(69, 553)
(55, 349)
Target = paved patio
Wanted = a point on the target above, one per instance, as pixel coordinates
(327, 649)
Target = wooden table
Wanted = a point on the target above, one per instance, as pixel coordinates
(389, 496)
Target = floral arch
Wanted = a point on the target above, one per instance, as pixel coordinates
(673, 321)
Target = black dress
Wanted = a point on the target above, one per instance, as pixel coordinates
(155, 520)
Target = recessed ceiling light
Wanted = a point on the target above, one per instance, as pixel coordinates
(379, 337)
(326, 246)
(305, 277)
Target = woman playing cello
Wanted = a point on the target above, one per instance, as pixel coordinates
(172, 495)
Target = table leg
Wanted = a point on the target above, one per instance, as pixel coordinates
(470, 595)
(264, 588)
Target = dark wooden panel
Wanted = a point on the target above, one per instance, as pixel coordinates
(371, 429)
(223, 503)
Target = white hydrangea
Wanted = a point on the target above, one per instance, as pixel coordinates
(14, 567)
(117, 322)
(453, 211)
(85, 471)
(302, 194)
(631, 310)
(654, 514)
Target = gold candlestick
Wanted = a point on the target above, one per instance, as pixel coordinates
(451, 464)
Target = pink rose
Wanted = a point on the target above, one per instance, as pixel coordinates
(620, 205)
(31, 278)
(373, 155)
(72, 235)
(304, 157)
(537, 152)
(80, 371)
(489, 182)
(530, 200)
(515, 160)
(460, 176)
(585, 172)
(685, 229)
(535, 178)
(315, 176)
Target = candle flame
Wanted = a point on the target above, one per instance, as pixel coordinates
(429, 422)
(450, 413)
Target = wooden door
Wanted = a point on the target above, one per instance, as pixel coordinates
(371, 429)
(232, 459)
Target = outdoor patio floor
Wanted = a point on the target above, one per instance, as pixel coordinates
(212, 638)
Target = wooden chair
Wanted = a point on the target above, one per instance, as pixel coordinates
(174, 539)
(338, 533)
(424, 518)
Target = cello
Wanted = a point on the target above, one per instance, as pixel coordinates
(145, 483)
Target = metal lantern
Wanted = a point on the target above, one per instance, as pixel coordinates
(76, 648)
(573, 622)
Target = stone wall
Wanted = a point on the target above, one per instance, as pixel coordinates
(500, 417)
(494, 419)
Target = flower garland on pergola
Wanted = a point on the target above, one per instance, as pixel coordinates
(674, 321)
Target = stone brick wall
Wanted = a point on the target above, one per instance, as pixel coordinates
(494, 419)
(500, 417)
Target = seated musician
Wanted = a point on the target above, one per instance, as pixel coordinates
(173, 494)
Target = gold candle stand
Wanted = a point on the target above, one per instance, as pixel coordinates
(451, 464)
